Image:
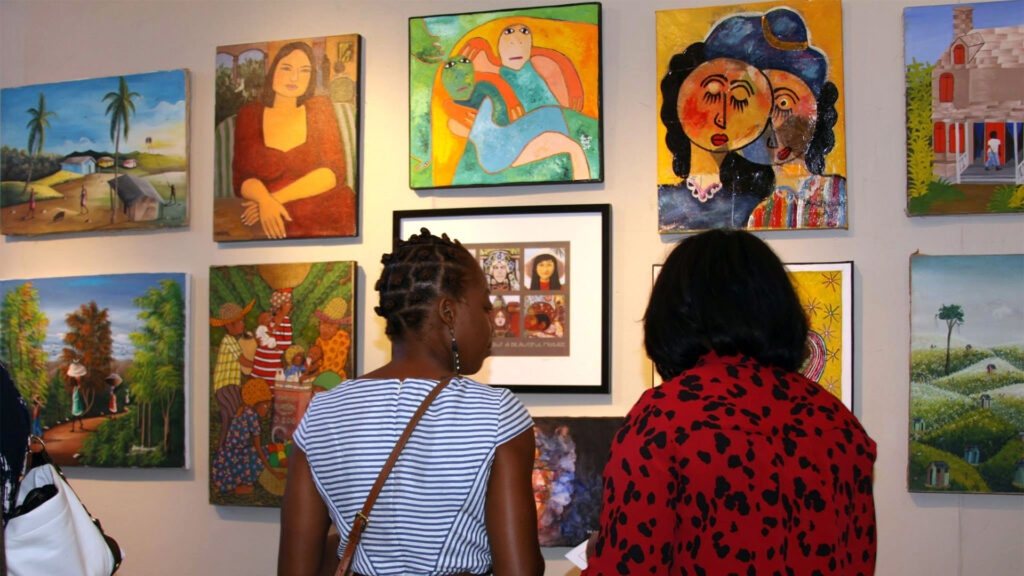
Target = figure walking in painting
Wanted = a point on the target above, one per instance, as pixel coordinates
(275, 339)
(174, 197)
(241, 459)
(227, 372)
(75, 372)
(289, 164)
(37, 416)
(332, 343)
(992, 152)
(113, 381)
(82, 209)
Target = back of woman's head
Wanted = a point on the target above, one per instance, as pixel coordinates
(419, 271)
(726, 291)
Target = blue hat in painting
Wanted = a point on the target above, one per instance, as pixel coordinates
(775, 40)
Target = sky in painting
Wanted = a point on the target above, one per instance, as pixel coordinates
(929, 29)
(59, 297)
(82, 123)
(987, 287)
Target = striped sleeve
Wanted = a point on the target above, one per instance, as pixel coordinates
(513, 418)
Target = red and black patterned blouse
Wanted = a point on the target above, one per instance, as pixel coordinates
(738, 468)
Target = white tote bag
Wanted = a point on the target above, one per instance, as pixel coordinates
(58, 537)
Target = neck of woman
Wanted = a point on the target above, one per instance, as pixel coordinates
(415, 359)
(704, 161)
(284, 102)
(791, 174)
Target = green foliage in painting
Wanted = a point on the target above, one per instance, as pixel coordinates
(979, 427)
(977, 382)
(1012, 354)
(939, 190)
(14, 164)
(919, 128)
(111, 443)
(927, 365)
(22, 332)
(1007, 198)
(232, 95)
(998, 471)
(963, 476)
(937, 407)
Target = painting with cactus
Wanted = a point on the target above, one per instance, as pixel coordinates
(966, 429)
(279, 333)
(95, 155)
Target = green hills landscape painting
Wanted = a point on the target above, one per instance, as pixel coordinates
(95, 155)
(967, 374)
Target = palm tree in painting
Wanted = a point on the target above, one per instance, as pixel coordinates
(120, 109)
(953, 316)
(37, 125)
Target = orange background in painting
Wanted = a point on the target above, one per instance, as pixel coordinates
(331, 49)
(677, 29)
(576, 40)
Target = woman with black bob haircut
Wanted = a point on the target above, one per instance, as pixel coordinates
(736, 464)
(459, 500)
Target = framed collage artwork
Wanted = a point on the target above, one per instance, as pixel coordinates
(548, 269)
(506, 97)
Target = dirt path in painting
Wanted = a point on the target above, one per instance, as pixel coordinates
(62, 444)
(46, 219)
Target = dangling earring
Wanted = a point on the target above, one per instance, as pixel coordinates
(455, 350)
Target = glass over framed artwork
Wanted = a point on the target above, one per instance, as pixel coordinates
(825, 290)
(548, 268)
(279, 333)
(966, 429)
(965, 134)
(102, 363)
(506, 97)
(751, 129)
(287, 139)
(96, 155)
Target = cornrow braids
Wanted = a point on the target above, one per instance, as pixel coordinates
(419, 271)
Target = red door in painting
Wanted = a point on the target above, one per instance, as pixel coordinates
(1000, 131)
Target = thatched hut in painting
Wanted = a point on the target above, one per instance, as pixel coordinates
(139, 200)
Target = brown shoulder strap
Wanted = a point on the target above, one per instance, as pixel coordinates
(363, 516)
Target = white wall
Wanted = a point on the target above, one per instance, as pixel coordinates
(163, 518)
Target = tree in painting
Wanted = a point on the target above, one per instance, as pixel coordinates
(38, 122)
(89, 342)
(23, 327)
(121, 108)
(953, 315)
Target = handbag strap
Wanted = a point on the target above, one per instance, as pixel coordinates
(362, 518)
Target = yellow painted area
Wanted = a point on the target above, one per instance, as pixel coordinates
(821, 293)
(677, 29)
(577, 41)
(56, 178)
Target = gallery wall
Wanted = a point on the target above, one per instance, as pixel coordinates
(163, 518)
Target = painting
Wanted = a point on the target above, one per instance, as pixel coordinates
(825, 290)
(966, 428)
(95, 155)
(751, 129)
(506, 97)
(279, 333)
(965, 135)
(287, 139)
(549, 271)
(567, 476)
(101, 363)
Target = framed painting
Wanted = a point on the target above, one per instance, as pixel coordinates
(506, 97)
(279, 333)
(97, 155)
(548, 268)
(965, 137)
(825, 290)
(567, 476)
(287, 139)
(966, 428)
(102, 362)
(751, 118)
(826, 293)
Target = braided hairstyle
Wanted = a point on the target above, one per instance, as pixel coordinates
(419, 271)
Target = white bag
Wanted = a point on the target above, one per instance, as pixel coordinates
(58, 537)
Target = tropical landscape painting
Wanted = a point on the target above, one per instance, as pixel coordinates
(95, 155)
(967, 374)
(279, 333)
(965, 133)
(505, 97)
(751, 130)
(567, 476)
(100, 360)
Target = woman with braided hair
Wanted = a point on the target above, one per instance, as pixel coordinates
(459, 500)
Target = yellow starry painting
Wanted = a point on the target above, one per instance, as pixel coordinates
(826, 292)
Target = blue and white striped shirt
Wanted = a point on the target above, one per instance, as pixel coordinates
(429, 518)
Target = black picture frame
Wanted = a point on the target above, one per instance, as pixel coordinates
(586, 228)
